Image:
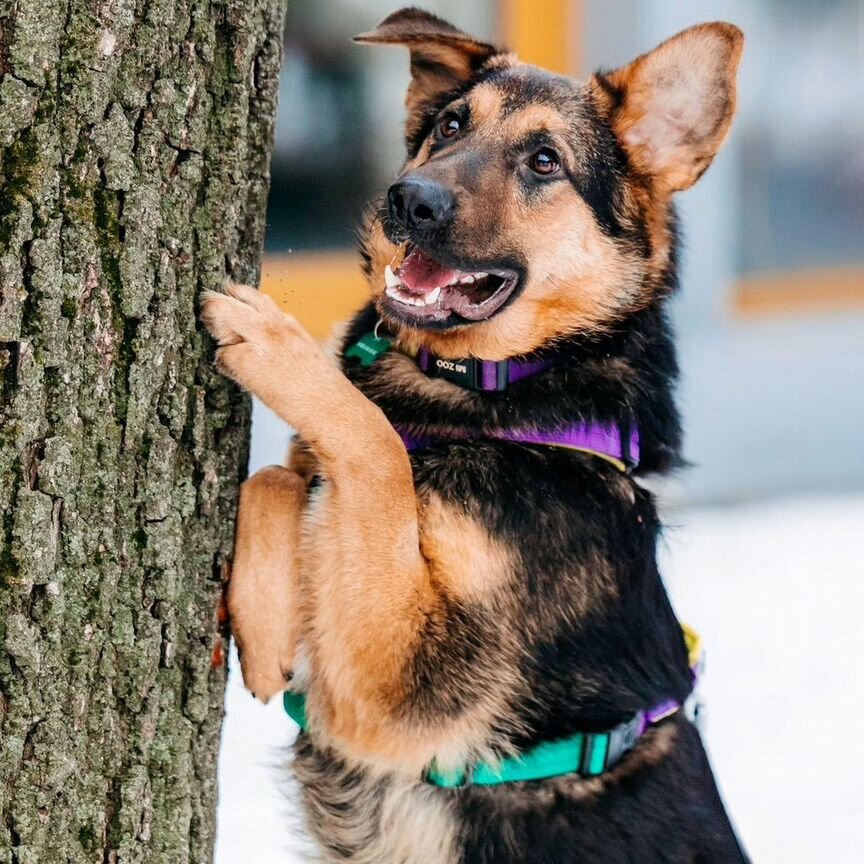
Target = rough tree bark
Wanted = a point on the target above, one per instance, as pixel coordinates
(135, 138)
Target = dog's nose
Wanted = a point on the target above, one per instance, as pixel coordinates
(421, 204)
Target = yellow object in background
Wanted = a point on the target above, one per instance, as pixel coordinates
(317, 288)
(546, 33)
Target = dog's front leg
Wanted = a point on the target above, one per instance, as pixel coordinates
(370, 596)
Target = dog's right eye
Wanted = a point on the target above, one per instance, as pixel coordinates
(544, 162)
(449, 126)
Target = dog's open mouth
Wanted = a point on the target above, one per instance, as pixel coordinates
(423, 289)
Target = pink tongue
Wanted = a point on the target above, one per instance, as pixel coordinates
(421, 274)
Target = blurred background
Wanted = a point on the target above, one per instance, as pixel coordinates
(764, 550)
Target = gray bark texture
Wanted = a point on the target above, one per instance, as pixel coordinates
(135, 140)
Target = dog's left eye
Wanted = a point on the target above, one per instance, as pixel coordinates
(449, 126)
(545, 161)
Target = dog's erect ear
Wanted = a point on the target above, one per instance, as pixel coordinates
(672, 108)
(443, 59)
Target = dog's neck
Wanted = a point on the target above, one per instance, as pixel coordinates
(625, 377)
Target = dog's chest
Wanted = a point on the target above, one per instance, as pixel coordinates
(354, 815)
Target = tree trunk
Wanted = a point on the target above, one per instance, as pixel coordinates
(135, 140)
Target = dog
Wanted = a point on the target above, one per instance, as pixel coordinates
(454, 578)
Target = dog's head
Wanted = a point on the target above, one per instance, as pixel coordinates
(532, 206)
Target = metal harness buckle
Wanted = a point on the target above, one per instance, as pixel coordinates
(623, 738)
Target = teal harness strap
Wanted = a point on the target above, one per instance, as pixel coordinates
(550, 759)
(295, 708)
(585, 753)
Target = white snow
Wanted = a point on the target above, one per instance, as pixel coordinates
(776, 590)
(256, 819)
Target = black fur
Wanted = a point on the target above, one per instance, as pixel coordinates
(670, 813)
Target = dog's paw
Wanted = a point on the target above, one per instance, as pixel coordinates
(263, 624)
(266, 673)
(265, 631)
(258, 342)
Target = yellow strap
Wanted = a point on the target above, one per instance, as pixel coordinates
(693, 641)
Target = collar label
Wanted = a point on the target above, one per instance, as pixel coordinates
(458, 371)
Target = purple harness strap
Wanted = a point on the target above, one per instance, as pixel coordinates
(603, 440)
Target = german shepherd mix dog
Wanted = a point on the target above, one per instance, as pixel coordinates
(457, 570)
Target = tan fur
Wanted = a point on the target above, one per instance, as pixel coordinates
(679, 103)
(303, 461)
(486, 104)
(463, 559)
(585, 280)
(383, 818)
(364, 624)
(531, 118)
(262, 591)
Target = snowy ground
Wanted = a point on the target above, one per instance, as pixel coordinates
(776, 590)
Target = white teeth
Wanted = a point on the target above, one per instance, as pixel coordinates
(396, 293)
(395, 289)
(409, 299)
(390, 278)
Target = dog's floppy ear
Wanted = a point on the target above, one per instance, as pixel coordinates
(672, 108)
(443, 59)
